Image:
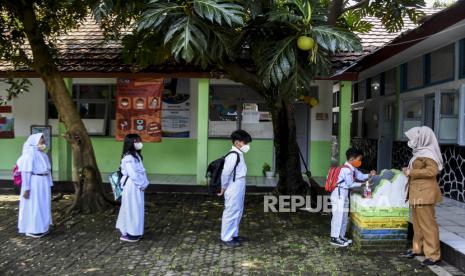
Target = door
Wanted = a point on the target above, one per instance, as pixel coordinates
(386, 136)
(302, 116)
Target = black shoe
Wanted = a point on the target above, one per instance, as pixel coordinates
(239, 239)
(231, 243)
(408, 255)
(338, 242)
(428, 262)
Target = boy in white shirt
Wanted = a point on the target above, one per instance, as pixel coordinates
(349, 177)
(233, 182)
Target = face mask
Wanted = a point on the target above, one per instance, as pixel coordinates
(42, 147)
(245, 148)
(356, 163)
(138, 145)
(411, 144)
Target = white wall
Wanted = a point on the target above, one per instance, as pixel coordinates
(321, 130)
(28, 108)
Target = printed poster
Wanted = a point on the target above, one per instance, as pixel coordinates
(138, 108)
(176, 115)
(6, 122)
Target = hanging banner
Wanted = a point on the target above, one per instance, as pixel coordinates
(6, 122)
(176, 115)
(138, 108)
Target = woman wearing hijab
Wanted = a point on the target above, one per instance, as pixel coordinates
(424, 193)
(131, 213)
(35, 212)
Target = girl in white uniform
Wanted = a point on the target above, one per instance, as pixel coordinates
(131, 214)
(35, 214)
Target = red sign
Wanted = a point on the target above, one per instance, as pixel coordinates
(138, 108)
(5, 109)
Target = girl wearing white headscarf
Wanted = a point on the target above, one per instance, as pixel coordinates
(35, 199)
(424, 193)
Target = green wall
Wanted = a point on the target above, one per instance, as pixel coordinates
(320, 157)
(261, 151)
(10, 150)
(171, 156)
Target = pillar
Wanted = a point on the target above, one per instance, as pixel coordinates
(202, 129)
(345, 119)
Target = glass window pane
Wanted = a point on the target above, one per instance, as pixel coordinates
(94, 91)
(390, 82)
(449, 104)
(375, 86)
(442, 63)
(413, 110)
(448, 128)
(92, 110)
(223, 112)
(415, 73)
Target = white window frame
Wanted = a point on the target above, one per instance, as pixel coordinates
(461, 134)
(401, 112)
(438, 116)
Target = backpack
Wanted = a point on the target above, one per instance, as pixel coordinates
(331, 179)
(115, 181)
(214, 171)
(17, 180)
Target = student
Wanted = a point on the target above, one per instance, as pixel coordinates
(35, 214)
(234, 191)
(131, 213)
(349, 177)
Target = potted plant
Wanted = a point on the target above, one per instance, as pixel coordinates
(267, 171)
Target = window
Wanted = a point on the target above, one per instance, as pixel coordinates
(357, 123)
(237, 106)
(390, 82)
(368, 88)
(412, 114)
(362, 90)
(95, 104)
(462, 59)
(441, 64)
(355, 93)
(413, 74)
(336, 98)
(448, 116)
(335, 128)
(374, 86)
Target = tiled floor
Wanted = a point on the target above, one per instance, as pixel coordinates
(450, 215)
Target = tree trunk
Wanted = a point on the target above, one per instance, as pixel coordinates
(89, 192)
(288, 163)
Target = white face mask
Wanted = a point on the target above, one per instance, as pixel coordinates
(411, 144)
(138, 145)
(245, 148)
(42, 147)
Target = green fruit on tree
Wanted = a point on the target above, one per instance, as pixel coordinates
(305, 43)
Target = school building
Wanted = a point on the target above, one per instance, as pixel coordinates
(400, 80)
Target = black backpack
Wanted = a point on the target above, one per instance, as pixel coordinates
(214, 171)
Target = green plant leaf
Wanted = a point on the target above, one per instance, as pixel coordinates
(185, 39)
(334, 39)
(277, 60)
(219, 12)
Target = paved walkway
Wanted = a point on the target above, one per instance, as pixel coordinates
(451, 219)
(181, 238)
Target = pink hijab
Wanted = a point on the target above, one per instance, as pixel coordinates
(423, 142)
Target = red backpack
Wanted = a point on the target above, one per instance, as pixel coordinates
(17, 176)
(331, 179)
